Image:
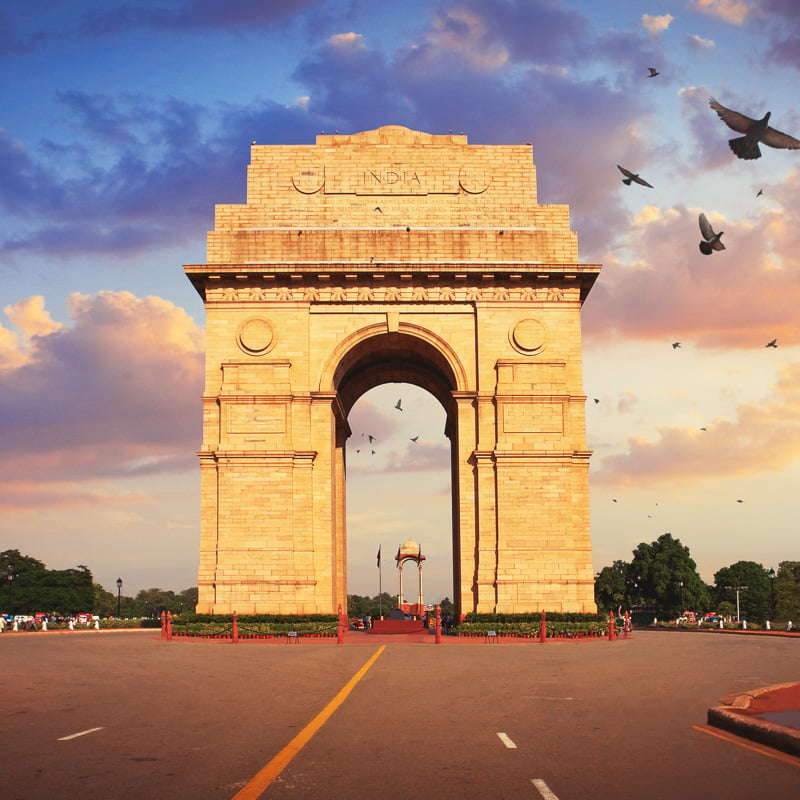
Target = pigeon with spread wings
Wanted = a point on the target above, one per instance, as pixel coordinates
(632, 176)
(711, 241)
(754, 130)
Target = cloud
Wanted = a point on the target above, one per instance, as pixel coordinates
(733, 11)
(420, 457)
(782, 19)
(31, 316)
(115, 394)
(655, 25)
(762, 437)
(698, 43)
(147, 173)
(193, 15)
(672, 291)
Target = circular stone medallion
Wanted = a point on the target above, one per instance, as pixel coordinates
(255, 336)
(529, 336)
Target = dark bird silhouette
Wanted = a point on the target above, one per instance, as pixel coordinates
(703, 429)
(759, 192)
(613, 501)
(358, 451)
(596, 401)
(414, 438)
(398, 405)
(373, 452)
(773, 343)
(653, 72)
(632, 176)
(740, 501)
(754, 130)
(371, 438)
(711, 241)
(676, 345)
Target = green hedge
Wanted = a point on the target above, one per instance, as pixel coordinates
(530, 629)
(255, 624)
(566, 624)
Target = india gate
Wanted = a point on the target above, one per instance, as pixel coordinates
(392, 255)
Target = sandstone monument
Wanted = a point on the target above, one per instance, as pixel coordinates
(392, 255)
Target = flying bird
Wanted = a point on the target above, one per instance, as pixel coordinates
(632, 176)
(653, 72)
(398, 405)
(754, 130)
(773, 343)
(711, 241)
(759, 192)
(371, 438)
(414, 438)
(676, 345)
(596, 401)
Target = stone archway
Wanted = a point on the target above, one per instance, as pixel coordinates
(392, 255)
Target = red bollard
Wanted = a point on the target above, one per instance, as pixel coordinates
(543, 628)
(627, 624)
(169, 626)
(611, 631)
(437, 638)
(235, 629)
(163, 625)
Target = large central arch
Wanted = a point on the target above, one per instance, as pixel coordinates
(392, 256)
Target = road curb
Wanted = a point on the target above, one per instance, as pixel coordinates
(734, 718)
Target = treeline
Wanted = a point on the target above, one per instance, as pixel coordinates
(27, 586)
(662, 577)
(382, 604)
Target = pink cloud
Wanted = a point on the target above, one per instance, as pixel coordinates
(743, 296)
(761, 438)
(116, 393)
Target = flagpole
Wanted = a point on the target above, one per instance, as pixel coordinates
(380, 585)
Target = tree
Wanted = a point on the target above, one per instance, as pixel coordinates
(357, 605)
(787, 591)
(752, 581)
(29, 586)
(611, 587)
(664, 574)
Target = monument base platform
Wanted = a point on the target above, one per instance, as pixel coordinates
(396, 626)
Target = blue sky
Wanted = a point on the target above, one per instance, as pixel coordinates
(123, 124)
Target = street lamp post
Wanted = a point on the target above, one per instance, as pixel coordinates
(10, 577)
(680, 584)
(771, 574)
(737, 589)
(119, 592)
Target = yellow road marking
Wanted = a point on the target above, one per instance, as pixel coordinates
(256, 786)
(762, 749)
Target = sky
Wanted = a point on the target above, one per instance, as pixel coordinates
(124, 123)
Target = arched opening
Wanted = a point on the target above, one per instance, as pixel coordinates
(396, 430)
(399, 487)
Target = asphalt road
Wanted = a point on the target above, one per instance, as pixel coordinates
(586, 720)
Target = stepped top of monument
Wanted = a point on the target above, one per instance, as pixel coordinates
(391, 195)
(391, 134)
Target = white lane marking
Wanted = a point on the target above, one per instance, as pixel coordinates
(504, 738)
(81, 733)
(544, 789)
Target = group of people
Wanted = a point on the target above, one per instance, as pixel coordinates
(22, 622)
